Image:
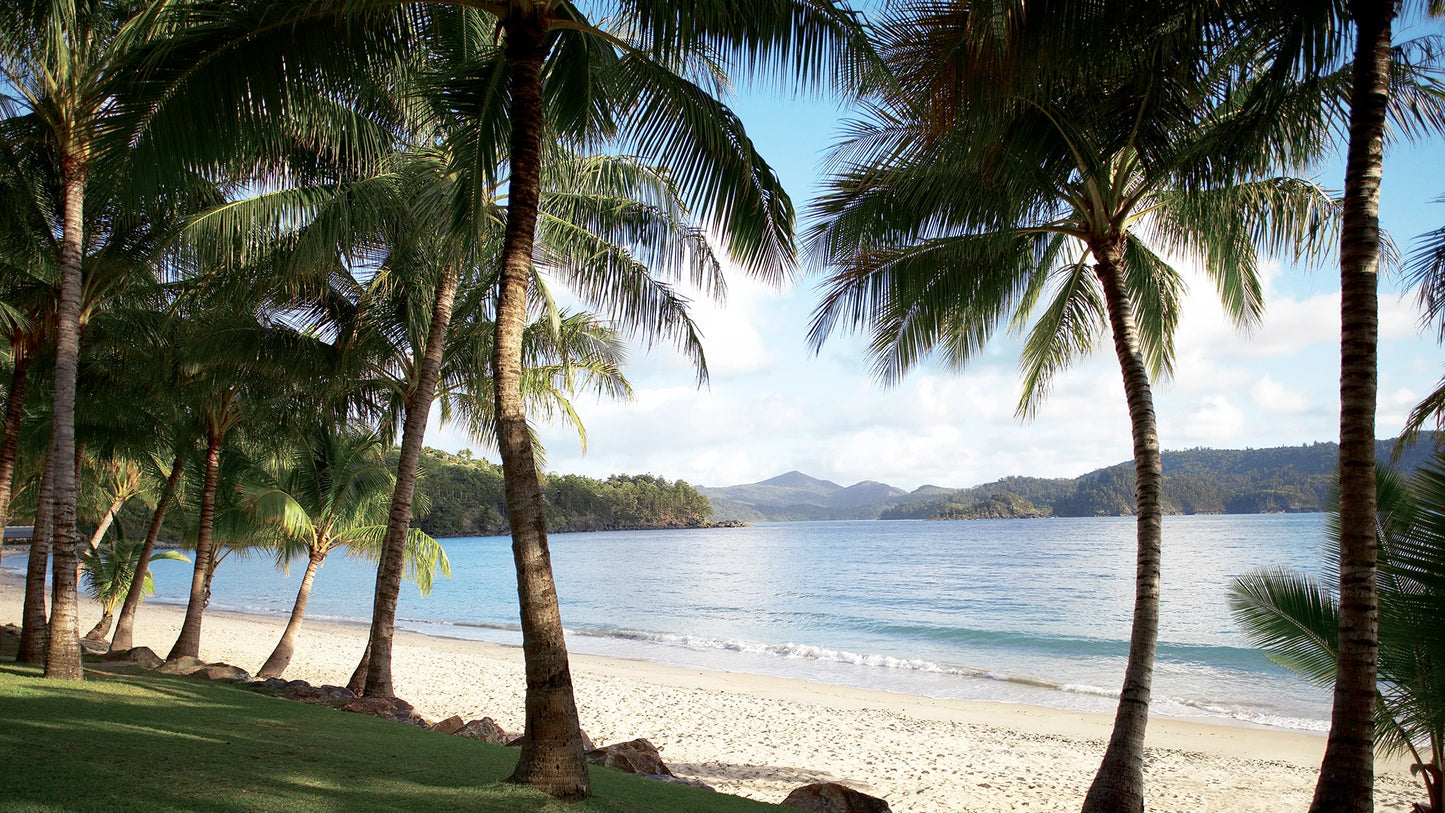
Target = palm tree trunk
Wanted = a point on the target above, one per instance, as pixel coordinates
(125, 625)
(551, 758)
(102, 627)
(375, 679)
(105, 522)
(62, 650)
(35, 627)
(189, 640)
(1118, 787)
(10, 438)
(281, 655)
(358, 681)
(1347, 772)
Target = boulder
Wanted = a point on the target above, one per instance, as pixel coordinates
(450, 725)
(387, 708)
(484, 730)
(222, 671)
(181, 665)
(634, 756)
(326, 695)
(93, 647)
(271, 685)
(831, 797)
(141, 656)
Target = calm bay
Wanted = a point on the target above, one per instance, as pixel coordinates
(1029, 611)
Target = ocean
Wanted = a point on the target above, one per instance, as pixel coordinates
(1021, 611)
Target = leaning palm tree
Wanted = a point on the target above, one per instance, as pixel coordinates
(956, 208)
(1295, 620)
(108, 570)
(332, 491)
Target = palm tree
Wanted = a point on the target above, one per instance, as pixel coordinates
(331, 492)
(1295, 619)
(635, 80)
(110, 569)
(1309, 41)
(957, 207)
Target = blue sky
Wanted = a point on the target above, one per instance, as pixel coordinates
(773, 405)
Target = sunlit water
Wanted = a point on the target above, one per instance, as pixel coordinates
(1031, 611)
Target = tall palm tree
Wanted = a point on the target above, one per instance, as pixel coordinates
(1311, 40)
(963, 203)
(1295, 619)
(330, 492)
(634, 80)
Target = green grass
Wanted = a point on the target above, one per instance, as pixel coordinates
(130, 741)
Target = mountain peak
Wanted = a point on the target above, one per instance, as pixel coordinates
(797, 479)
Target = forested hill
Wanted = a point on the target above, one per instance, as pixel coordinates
(463, 497)
(1196, 481)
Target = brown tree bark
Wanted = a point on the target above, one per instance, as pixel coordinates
(280, 657)
(35, 627)
(62, 650)
(551, 758)
(1347, 772)
(105, 522)
(189, 640)
(125, 625)
(10, 436)
(375, 667)
(102, 627)
(1118, 786)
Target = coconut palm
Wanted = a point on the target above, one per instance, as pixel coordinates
(109, 569)
(332, 491)
(1353, 40)
(570, 81)
(1294, 618)
(956, 208)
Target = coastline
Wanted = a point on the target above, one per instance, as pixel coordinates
(760, 736)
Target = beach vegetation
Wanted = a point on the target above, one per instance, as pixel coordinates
(992, 187)
(1294, 618)
(107, 571)
(329, 490)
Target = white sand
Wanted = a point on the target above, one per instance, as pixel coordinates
(761, 736)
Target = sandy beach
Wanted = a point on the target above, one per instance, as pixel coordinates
(761, 736)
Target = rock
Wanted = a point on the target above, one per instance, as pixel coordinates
(94, 647)
(141, 656)
(450, 725)
(634, 756)
(317, 695)
(271, 685)
(831, 797)
(387, 708)
(10, 631)
(484, 730)
(181, 665)
(222, 671)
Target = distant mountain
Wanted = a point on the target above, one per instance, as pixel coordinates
(1196, 481)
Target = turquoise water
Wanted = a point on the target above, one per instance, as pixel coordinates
(1032, 611)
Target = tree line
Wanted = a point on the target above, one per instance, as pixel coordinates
(464, 496)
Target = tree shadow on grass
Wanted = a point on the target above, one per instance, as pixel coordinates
(161, 743)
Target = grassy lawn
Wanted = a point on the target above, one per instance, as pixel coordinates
(131, 741)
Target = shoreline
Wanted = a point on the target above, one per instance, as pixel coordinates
(760, 736)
